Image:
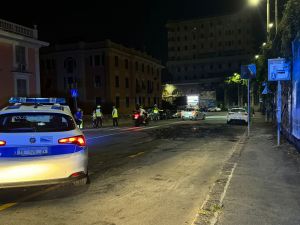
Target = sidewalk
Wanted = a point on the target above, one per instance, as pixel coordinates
(265, 187)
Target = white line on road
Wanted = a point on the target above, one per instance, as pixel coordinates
(126, 131)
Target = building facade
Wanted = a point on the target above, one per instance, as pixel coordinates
(19, 61)
(104, 73)
(204, 52)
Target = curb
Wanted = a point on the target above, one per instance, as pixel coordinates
(213, 204)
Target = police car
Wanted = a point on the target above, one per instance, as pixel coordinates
(40, 144)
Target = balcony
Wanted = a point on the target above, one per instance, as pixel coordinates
(18, 29)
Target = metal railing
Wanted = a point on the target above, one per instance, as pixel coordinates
(17, 29)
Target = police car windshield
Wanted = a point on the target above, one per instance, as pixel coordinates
(35, 122)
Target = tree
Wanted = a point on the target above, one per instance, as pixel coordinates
(236, 79)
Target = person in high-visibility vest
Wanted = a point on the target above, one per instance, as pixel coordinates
(115, 116)
(99, 116)
(155, 112)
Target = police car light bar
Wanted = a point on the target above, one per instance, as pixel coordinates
(37, 100)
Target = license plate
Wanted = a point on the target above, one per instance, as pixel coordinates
(32, 151)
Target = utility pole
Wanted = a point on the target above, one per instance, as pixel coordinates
(268, 20)
(276, 15)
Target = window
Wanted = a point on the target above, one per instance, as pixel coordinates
(194, 46)
(126, 82)
(97, 81)
(117, 101)
(117, 82)
(136, 66)
(20, 55)
(35, 122)
(178, 69)
(97, 60)
(143, 67)
(48, 64)
(148, 69)
(69, 65)
(98, 100)
(116, 61)
(22, 90)
(127, 102)
(185, 48)
(103, 59)
(185, 38)
(126, 64)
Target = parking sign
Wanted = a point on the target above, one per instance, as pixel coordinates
(278, 69)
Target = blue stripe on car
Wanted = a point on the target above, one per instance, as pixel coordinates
(11, 152)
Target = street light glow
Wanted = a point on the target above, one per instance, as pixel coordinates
(253, 2)
(271, 25)
(256, 56)
(264, 44)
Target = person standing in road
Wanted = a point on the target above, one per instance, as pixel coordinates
(115, 116)
(99, 117)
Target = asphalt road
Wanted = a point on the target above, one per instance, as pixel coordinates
(159, 174)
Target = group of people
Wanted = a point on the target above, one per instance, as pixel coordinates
(97, 117)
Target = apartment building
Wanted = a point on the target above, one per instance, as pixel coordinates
(203, 52)
(19, 61)
(104, 73)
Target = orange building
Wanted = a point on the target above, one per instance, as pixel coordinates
(104, 73)
(19, 61)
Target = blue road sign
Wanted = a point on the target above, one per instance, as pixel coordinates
(248, 71)
(74, 93)
(278, 69)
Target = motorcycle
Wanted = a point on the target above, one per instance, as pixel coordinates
(140, 120)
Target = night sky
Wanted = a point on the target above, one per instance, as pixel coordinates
(137, 24)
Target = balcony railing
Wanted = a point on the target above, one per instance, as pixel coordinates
(17, 29)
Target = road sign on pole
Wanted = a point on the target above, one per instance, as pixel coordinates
(248, 72)
(278, 69)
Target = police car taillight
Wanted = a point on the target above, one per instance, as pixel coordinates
(77, 140)
(2, 143)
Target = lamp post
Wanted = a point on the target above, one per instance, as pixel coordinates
(254, 3)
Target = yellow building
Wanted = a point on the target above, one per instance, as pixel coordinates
(104, 73)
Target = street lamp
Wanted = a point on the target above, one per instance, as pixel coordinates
(256, 56)
(271, 25)
(254, 3)
(264, 44)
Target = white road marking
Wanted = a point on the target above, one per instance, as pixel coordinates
(126, 131)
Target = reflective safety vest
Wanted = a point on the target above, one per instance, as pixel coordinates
(155, 110)
(115, 113)
(98, 113)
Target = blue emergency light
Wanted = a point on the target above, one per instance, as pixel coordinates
(37, 100)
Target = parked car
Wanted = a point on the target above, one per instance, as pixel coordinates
(214, 109)
(237, 115)
(192, 114)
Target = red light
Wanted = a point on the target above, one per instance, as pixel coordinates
(136, 116)
(2, 143)
(78, 140)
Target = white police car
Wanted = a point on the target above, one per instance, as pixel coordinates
(40, 144)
